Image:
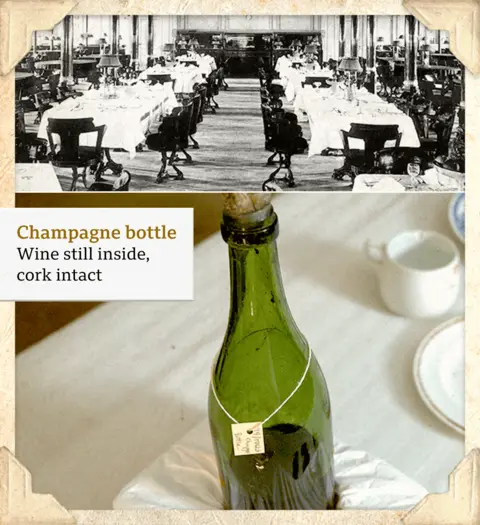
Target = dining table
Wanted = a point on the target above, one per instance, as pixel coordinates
(106, 395)
(128, 117)
(329, 113)
(292, 79)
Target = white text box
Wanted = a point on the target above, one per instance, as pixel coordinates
(96, 254)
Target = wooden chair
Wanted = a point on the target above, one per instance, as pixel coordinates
(287, 140)
(374, 136)
(212, 92)
(201, 90)
(172, 137)
(194, 121)
(68, 153)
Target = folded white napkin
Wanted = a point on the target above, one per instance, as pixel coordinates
(376, 183)
(437, 180)
(186, 478)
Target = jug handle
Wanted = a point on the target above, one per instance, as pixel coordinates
(375, 252)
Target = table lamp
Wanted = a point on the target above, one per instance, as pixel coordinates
(106, 62)
(351, 66)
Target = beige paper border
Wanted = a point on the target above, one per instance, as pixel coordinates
(461, 505)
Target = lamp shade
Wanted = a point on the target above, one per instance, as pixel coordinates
(350, 64)
(109, 61)
(310, 49)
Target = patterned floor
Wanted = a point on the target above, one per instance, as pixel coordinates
(231, 155)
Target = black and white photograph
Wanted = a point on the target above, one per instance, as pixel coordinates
(240, 103)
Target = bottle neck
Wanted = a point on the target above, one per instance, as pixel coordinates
(258, 299)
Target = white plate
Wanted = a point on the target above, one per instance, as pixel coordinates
(456, 215)
(439, 372)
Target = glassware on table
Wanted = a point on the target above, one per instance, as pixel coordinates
(414, 171)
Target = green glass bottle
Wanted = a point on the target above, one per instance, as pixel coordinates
(265, 373)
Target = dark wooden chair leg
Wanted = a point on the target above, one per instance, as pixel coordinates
(179, 173)
(188, 158)
(289, 178)
(161, 173)
(73, 186)
(195, 143)
(84, 176)
(270, 161)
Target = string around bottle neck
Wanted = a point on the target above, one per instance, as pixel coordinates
(294, 391)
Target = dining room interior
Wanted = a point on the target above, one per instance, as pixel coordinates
(251, 103)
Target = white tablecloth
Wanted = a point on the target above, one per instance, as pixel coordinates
(36, 178)
(326, 122)
(128, 118)
(101, 399)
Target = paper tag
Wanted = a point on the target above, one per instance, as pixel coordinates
(247, 439)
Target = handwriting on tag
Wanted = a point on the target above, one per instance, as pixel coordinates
(247, 439)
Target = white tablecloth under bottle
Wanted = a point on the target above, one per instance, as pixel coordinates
(103, 398)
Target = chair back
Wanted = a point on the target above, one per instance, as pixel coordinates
(183, 126)
(202, 91)
(375, 136)
(69, 130)
(212, 84)
(196, 101)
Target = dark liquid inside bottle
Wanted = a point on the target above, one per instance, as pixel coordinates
(288, 476)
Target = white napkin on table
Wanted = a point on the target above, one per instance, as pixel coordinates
(376, 183)
(186, 478)
(438, 181)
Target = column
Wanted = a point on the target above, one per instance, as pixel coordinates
(371, 53)
(67, 50)
(150, 36)
(86, 31)
(341, 40)
(115, 25)
(135, 40)
(354, 36)
(411, 51)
